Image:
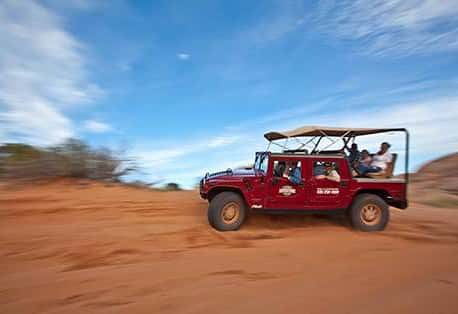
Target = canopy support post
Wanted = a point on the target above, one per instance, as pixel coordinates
(268, 146)
(346, 140)
(406, 174)
(317, 143)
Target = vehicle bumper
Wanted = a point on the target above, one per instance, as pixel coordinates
(202, 190)
(203, 195)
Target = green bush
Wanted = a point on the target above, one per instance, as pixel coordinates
(172, 187)
(74, 158)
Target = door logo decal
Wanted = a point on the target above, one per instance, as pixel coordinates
(327, 191)
(287, 190)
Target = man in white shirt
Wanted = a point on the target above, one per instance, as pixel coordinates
(330, 173)
(379, 161)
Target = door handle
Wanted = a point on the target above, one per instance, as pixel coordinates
(344, 184)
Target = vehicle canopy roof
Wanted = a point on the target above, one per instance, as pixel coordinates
(327, 132)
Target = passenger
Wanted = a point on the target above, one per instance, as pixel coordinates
(318, 169)
(329, 173)
(354, 154)
(280, 169)
(295, 175)
(379, 161)
(365, 158)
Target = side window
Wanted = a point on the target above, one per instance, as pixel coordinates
(293, 165)
(287, 169)
(326, 170)
(279, 168)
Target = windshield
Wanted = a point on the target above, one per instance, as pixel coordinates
(261, 162)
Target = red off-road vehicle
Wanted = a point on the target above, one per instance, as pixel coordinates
(325, 181)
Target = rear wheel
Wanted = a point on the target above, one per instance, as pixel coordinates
(369, 212)
(227, 211)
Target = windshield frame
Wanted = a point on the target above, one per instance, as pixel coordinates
(261, 162)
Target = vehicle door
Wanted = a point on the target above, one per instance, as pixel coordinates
(328, 184)
(282, 192)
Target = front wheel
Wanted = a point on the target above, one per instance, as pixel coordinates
(227, 211)
(369, 212)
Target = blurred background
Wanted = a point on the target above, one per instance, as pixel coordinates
(164, 91)
(112, 110)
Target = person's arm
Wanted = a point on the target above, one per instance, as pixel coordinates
(333, 176)
(296, 176)
(388, 158)
(357, 156)
(369, 161)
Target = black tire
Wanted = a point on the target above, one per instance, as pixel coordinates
(220, 205)
(362, 209)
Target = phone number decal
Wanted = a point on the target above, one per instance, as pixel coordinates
(327, 191)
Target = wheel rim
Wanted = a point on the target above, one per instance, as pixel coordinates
(230, 213)
(371, 214)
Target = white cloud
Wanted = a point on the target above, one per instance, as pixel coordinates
(79, 5)
(183, 160)
(222, 141)
(183, 56)
(43, 73)
(284, 18)
(96, 126)
(396, 27)
(36, 123)
(174, 150)
(124, 66)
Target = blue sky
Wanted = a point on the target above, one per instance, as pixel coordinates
(187, 87)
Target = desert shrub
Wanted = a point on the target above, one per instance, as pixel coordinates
(172, 187)
(74, 158)
(19, 152)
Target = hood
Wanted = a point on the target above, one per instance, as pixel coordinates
(232, 173)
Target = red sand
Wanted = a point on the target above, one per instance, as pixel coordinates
(71, 247)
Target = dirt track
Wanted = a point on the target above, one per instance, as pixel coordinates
(89, 248)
